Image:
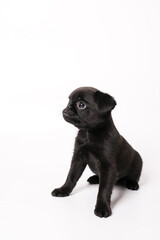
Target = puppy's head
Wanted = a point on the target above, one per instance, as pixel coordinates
(88, 108)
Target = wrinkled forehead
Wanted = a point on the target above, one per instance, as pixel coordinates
(82, 93)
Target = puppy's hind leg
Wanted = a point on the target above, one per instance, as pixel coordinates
(121, 182)
(135, 172)
(93, 179)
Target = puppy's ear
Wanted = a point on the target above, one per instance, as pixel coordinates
(104, 101)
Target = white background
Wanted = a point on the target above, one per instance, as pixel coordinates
(47, 49)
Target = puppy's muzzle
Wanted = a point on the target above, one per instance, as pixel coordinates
(68, 112)
(70, 116)
(65, 112)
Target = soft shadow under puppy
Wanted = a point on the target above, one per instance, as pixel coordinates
(118, 194)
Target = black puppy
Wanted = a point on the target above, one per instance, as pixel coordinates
(99, 145)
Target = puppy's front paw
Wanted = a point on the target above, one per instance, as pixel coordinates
(60, 192)
(102, 210)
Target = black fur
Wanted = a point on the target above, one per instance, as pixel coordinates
(99, 145)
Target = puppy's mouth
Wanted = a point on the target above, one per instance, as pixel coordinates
(65, 114)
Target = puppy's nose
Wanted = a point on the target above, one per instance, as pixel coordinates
(69, 106)
(65, 111)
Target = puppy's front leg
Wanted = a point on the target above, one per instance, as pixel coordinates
(78, 165)
(107, 181)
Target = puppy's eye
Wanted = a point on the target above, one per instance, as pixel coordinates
(81, 105)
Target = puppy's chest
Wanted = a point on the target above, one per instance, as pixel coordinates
(90, 142)
(90, 147)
